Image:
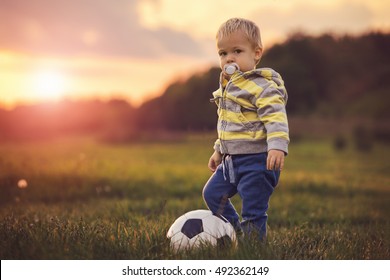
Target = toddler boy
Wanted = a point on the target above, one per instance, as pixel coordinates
(252, 130)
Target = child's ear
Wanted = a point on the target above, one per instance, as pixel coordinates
(258, 53)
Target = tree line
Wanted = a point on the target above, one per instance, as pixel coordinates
(324, 76)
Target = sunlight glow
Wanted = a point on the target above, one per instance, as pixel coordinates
(49, 84)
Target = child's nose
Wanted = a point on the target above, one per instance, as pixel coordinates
(230, 58)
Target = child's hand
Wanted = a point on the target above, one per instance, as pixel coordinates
(214, 161)
(275, 160)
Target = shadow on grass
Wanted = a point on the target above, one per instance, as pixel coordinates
(67, 188)
(326, 191)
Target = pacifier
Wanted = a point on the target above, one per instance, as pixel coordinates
(231, 68)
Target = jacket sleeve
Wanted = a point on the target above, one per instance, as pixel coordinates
(271, 106)
(217, 145)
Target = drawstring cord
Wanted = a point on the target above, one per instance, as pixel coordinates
(228, 168)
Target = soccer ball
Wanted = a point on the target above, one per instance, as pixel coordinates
(201, 227)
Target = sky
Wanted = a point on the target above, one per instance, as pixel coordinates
(133, 49)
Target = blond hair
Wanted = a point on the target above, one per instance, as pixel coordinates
(250, 29)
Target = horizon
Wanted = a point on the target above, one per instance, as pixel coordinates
(140, 47)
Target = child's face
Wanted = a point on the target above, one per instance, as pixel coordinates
(237, 48)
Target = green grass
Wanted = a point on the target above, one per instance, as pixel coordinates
(87, 200)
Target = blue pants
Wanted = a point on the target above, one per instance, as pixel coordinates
(248, 176)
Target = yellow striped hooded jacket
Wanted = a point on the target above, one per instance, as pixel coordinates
(251, 113)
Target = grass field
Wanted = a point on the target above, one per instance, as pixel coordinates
(81, 199)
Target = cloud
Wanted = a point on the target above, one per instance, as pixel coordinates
(83, 27)
(342, 17)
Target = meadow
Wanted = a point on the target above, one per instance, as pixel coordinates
(77, 198)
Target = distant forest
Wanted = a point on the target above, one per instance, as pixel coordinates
(325, 76)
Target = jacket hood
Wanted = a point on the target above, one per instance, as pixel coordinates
(264, 77)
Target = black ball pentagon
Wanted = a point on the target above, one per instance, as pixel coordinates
(192, 227)
(224, 241)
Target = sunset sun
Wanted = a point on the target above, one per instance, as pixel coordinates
(49, 85)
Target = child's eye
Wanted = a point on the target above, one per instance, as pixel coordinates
(238, 51)
(222, 53)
